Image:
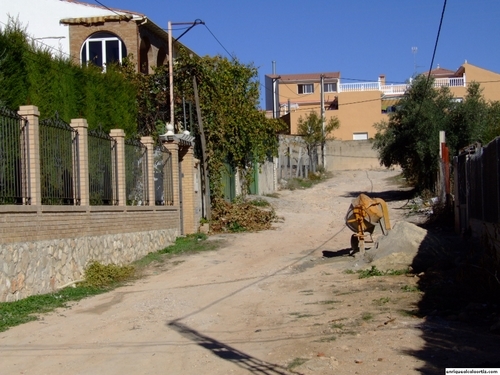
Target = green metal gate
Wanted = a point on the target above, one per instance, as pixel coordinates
(228, 182)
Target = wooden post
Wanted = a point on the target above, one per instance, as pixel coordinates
(204, 162)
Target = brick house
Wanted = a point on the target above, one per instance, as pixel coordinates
(90, 32)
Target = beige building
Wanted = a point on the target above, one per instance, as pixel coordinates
(360, 105)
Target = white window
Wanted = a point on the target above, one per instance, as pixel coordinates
(360, 136)
(307, 88)
(103, 48)
(330, 87)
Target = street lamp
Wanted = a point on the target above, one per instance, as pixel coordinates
(170, 59)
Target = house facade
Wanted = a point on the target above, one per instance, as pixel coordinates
(91, 33)
(360, 105)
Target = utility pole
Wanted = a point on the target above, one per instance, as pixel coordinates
(204, 162)
(322, 90)
(171, 61)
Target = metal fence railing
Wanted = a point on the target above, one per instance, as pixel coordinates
(58, 162)
(54, 169)
(13, 158)
(136, 166)
(102, 168)
(164, 185)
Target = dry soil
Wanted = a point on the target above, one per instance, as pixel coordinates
(272, 302)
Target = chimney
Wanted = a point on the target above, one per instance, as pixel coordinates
(381, 79)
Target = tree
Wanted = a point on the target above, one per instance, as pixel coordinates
(236, 131)
(313, 134)
(410, 138)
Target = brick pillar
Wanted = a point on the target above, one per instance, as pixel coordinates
(188, 194)
(81, 126)
(173, 148)
(119, 136)
(150, 172)
(31, 113)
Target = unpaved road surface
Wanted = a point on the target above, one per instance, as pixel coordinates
(273, 302)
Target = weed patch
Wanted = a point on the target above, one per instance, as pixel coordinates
(188, 244)
(259, 202)
(366, 316)
(381, 301)
(98, 275)
(301, 315)
(410, 313)
(328, 339)
(374, 271)
(410, 288)
(28, 309)
(296, 363)
(272, 195)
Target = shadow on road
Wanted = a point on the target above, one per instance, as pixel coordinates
(228, 353)
(338, 253)
(388, 195)
(460, 306)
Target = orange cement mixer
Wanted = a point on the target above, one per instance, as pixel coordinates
(362, 217)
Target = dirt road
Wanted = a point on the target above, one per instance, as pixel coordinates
(266, 303)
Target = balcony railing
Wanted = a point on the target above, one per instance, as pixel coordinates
(398, 89)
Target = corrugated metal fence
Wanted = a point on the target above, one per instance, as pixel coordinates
(477, 185)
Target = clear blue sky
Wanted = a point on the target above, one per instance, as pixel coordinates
(360, 38)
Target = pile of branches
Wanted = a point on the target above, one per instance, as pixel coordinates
(240, 216)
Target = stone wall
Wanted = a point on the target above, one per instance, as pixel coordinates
(42, 250)
(351, 155)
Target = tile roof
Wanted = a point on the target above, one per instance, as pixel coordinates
(304, 77)
(441, 73)
(103, 7)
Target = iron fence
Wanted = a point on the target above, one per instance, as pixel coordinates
(13, 158)
(59, 162)
(477, 181)
(136, 166)
(102, 168)
(164, 183)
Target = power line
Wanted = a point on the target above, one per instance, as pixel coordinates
(432, 60)
(108, 8)
(218, 41)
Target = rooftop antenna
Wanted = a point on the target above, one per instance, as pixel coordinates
(414, 50)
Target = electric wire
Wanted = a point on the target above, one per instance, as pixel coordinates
(432, 60)
(108, 8)
(218, 41)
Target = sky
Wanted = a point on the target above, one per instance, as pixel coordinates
(361, 39)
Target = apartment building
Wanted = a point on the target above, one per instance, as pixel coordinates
(359, 105)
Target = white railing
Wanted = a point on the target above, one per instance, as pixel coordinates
(359, 86)
(394, 89)
(449, 82)
(398, 89)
